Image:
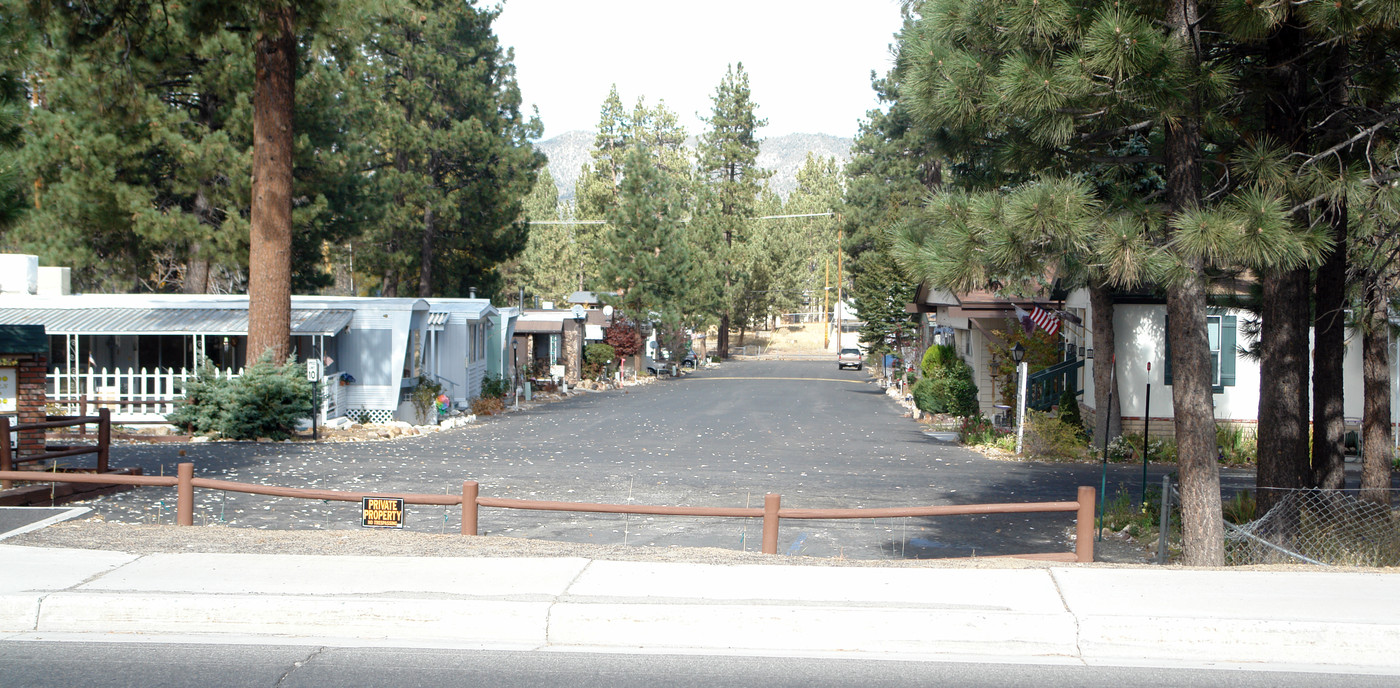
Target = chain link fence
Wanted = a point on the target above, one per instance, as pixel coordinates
(1322, 527)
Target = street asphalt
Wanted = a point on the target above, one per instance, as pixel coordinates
(819, 436)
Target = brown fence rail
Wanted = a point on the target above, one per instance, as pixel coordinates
(471, 501)
(8, 458)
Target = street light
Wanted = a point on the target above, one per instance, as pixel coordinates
(1018, 355)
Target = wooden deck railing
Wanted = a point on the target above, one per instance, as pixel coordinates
(471, 501)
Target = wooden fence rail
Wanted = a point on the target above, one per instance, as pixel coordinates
(8, 459)
(470, 501)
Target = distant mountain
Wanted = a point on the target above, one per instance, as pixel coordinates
(783, 155)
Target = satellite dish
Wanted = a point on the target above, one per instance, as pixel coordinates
(607, 311)
(578, 312)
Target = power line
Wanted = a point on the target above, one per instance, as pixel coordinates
(604, 222)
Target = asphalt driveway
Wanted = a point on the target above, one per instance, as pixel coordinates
(819, 436)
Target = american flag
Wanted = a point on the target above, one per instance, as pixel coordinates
(1045, 319)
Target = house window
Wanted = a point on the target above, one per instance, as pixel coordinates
(1213, 335)
(1220, 336)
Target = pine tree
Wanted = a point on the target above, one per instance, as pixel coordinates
(550, 264)
(460, 159)
(728, 166)
(650, 283)
(1051, 90)
(15, 35)
(894, 165)
(812, 240)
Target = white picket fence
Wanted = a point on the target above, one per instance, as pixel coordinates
(144, 395)
(116, 390)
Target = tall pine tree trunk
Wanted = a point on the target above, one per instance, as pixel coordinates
(1330, 348)
(1375, 415)
(1203, 532)
(270, 243)
(1283, 337)
(1330, 299)
(1283, 387)
(425, 256)
(1108, 416)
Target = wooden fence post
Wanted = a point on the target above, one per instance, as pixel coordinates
(7, 459)
(470, 490)
(184, 495)
(82, 411)
(771, 504)
(1084, 526)
(104, 437)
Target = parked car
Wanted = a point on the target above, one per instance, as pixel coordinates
(690, 360)
(849, 357)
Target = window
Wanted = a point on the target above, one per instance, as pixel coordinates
(1220, 336)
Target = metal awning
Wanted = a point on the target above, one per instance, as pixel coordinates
(174, 321)
(437, 321)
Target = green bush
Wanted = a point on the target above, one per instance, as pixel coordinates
(1069, 413)
(1236, 446)
(206, 397)
(267, 401)
(948, 389)
(938, 356)
(495, 387)
(424, 397)
(1048, 438)
(596, 357)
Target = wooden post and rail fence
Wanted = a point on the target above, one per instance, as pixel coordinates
(471, 501)
(8, 458)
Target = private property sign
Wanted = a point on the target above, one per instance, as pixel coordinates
(381, 512)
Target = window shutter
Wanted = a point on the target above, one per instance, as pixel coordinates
(1227, 351)
(1166, 337)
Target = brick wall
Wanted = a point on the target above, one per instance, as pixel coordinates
(30, 400)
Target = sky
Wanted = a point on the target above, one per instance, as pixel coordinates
(809, 61)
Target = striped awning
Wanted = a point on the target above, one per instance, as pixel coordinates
(174, 321)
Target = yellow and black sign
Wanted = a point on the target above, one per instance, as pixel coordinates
(381, 512)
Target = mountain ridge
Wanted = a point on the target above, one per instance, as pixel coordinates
(781, 155)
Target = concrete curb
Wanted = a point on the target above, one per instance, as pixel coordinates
(1079, 614)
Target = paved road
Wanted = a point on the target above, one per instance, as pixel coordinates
(722, 437)
(153, 665)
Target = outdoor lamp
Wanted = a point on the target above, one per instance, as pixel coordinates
(1018, 352)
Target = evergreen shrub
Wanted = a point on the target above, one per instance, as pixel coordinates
(947, 385)
(596, 357)
(267, 401)
(1069, 413)
(495, 387)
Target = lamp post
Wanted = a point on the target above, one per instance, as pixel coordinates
(579, 317)
(1018, 354)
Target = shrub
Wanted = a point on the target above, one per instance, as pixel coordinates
(1236, 446)
(1048, 438)
(949, 389)
(488, 406)
(1240, 509)
(206, 397)
(977, 430)
(938, 356)
(1069, 413)
(596, 358)
(495, 387)
(267, 401)
(424, 397)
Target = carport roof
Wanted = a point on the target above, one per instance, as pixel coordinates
(175, 321)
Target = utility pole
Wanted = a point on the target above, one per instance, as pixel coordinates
(840, 236)
(826, 290)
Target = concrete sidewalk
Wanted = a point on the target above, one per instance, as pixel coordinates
(1069, 614)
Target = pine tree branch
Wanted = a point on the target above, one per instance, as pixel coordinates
(1114, 133)
(1364, 133)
